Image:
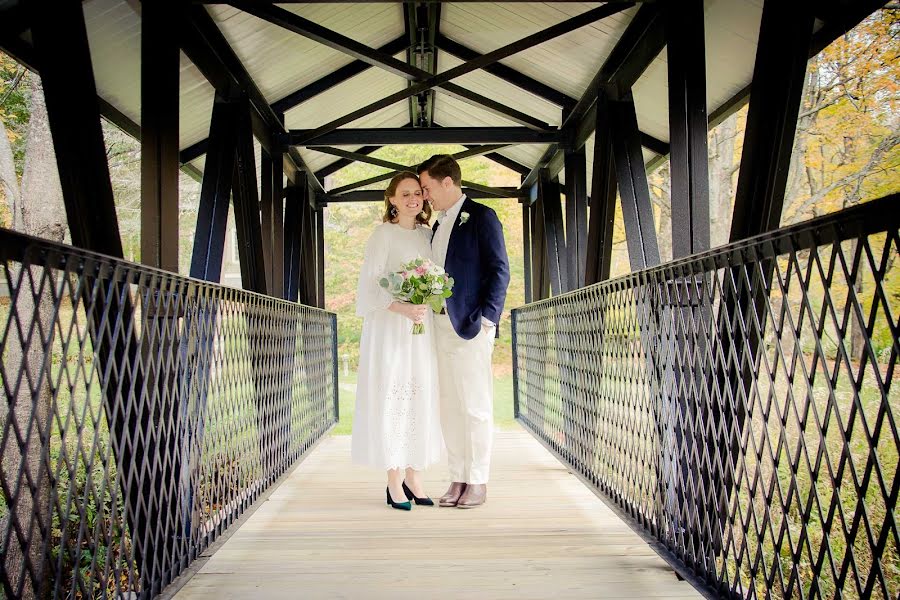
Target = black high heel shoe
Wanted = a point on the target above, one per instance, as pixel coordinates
(397, 505)
(426, 501)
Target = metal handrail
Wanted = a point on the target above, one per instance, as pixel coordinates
(737, 406)
(144, 413)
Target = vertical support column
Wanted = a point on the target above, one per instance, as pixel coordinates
(308, 252)
(550, 203)
(637, 209)
(685, 483)
(603, 199)
(215, 194)
(278, 226)
(74, 118)
(295, 198)
(689, 161)
(576, 216)
(320, 256)
(576, 245)
(526, 248)
(246, 207)
(540, 271)
(160, 69)
(267, 214)
(775, 93)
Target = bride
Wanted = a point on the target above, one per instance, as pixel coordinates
(396, 426)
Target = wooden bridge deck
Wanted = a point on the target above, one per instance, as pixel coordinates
(326, 532)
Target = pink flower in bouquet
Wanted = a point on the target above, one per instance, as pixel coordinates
(419, 282)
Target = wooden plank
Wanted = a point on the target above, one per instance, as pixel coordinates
(327, 531)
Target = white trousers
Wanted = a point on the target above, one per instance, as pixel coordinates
(467, 400)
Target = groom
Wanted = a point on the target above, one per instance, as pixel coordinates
(468, 243)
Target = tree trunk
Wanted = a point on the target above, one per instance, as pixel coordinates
(722, 167)
(9, 182)
(27, 369)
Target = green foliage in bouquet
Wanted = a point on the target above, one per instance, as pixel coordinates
(419, 281)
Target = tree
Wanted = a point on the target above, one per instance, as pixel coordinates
(37, 209)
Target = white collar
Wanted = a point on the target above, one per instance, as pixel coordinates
(453, 211)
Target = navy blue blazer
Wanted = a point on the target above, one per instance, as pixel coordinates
(477, 262)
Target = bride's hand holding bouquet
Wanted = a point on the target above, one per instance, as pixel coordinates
(418, 284)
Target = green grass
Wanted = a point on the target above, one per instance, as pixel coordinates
(503, 403)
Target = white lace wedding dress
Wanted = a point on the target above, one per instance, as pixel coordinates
(396, 423)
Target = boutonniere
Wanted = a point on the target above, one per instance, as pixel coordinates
(463, 217)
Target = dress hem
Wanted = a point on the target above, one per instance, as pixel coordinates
(404, 467)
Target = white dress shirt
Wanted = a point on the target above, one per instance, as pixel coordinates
(441, 239)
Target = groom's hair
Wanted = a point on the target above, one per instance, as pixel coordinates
(440, 166)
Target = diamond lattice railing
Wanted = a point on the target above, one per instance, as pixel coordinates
(143, 413)
(738, 405)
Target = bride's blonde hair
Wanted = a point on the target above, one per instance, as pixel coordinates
(422, 218)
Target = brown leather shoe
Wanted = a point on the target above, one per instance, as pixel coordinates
(453, 493)
(475, 495)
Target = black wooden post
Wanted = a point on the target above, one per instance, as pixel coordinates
(526, 248)
(215, 194)
(686, 484)
(74, 117)
(637, 209)
(776, 90)
(295, 197)
(576, 216)
(550, 203)
(278, 226)
(540, 271)
(603, 199)
(689, 162)
(246, 207)
(320, 256)
(308, 241)
(267, 215)
(576, 246)
(160, 68)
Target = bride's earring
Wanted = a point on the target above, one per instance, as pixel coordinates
(393, 210)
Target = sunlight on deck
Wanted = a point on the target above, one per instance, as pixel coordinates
(326, 532)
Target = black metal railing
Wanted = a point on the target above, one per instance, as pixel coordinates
(143, 412)
(738, 405)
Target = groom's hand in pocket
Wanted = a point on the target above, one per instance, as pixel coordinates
(488, 327)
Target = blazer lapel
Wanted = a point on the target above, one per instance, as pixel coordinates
(456, 225)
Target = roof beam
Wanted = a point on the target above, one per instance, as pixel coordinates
(297, 97)
(378, 162)
(208, 49)
(434, 30)
(643, 40)
(397, 167)
(508, 74)
(343, 162)
(378, 195)
(837, 25)
(470, 66)
(425, 135)
(325, 83)
(297, 24)
(410, 30)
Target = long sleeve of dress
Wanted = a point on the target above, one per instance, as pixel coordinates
(370, 296)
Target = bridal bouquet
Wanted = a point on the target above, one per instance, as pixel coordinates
(419, 282)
